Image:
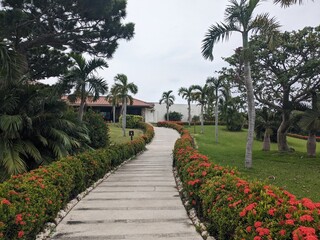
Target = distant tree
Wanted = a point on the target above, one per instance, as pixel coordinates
(41, 31)
(200, 95)
(174, 116)
(187, 93)
(167, 98)
(239, 18)
(82, 78)
(123, 89)
(115, 100)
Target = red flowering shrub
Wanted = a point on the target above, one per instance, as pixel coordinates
(29, 200)
(235, 208)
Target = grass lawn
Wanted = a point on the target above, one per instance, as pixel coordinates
(116, 135)
(294, 171)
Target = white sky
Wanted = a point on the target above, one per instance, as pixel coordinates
(165, 53)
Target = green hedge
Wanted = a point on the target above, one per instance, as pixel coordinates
(30, 200)
(237, 209)
(133, 121)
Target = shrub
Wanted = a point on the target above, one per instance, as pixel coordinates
(174, 116)
(30, 200)
(237, 209)
(98, 129)
(132, 120)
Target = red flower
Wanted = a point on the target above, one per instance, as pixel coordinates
(257, 224)
(19, 218)
(307, 218)
(272, 211)
(6, 202)
(282, 232)
(20, 234)
(289, 222)
(308, 203)
(288, 215)
(204, 173)
(249, 229)
(257, 238)
(243, 213)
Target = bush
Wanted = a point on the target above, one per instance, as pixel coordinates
(174, 116)
(237, 209)
(29, 200)
(98, 129)
(132, 120)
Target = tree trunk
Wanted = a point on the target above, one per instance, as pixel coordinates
(266, 141)
(202, 131)
(282, 133)
(189, 113)
(311, 145)
(124, 116)
(216, 120)
(167, 112)
(81, 110)
(114, 113)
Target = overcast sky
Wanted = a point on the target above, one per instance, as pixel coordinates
(165, 53)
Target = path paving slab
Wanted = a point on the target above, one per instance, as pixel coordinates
(139, 201)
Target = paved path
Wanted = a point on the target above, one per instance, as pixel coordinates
(140, 201)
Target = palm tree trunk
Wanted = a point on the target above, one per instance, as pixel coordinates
(266, 141)
(81, 109)
(167, 112)
(189, 113)
(216, 120)
(114, 113)
(311, 144)
(250, 101)
(124, 117)
(202, 131)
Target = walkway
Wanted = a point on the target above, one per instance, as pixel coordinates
(140, 201)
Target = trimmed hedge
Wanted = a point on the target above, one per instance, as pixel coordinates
(132, 121)
(30, 200)
(237, 209)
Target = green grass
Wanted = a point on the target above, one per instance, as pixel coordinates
(294, 171)
(116, 135)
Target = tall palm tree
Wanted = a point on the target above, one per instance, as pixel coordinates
(115, 100)
(239, 18)
(287, 3)
(168, 98)
(82, 77)
(187, 93)
(123, 88)
(216, 84)
(200, 95)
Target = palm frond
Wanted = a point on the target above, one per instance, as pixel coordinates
(10, 123)
(94, 64)
(287, 3)
(264, 24)
(217, 32)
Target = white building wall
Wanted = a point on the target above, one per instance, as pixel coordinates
(159, 110)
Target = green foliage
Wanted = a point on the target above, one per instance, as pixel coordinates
(43, 30)
(174, 116)
(133, 121)
(98, 129)
(234, 208)
(30, 200)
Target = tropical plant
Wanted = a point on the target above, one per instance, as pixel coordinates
(167, 98)
(187, 93)
(215, 84)
(82, 78)
(287, 3)
(200, 95)
(34, 129)
(115, 100)
(174, 116)
(239, 18)
(123, 88)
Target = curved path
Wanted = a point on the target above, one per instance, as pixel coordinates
(139, 201)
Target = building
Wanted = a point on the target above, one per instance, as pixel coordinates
(105, 108)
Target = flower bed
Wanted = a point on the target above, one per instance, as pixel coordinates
(301, 136)
(237, 209)
(30, 200)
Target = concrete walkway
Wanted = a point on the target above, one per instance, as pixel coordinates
(139, 201)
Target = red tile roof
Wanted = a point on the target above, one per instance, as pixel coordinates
(102, 102)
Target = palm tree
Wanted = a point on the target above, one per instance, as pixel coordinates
(187, 93)
(239, 18)
(115, 100)
(122, 89)
(168, 98)
(310, 121)
(216, 84)
(200, 95)
(82, 78)
(287, 3)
